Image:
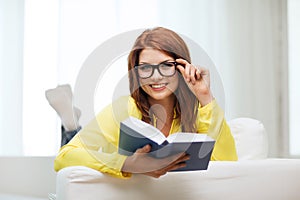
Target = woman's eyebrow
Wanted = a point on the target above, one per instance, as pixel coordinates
(168, 60)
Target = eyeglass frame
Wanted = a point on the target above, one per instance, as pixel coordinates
(157, 67)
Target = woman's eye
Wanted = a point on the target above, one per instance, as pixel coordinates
(167, 64)
(145, 67)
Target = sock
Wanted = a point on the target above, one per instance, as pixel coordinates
(61, 100)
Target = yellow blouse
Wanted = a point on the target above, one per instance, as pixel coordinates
(96, 145)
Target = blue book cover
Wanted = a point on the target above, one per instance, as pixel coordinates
(135, 133)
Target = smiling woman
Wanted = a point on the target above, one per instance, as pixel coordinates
(181, 102)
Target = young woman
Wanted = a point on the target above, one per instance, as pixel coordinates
(167, 91)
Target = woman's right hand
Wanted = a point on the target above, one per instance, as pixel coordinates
(140, 162)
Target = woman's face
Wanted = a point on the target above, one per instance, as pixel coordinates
(157, 86)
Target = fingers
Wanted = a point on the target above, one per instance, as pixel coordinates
(140, 162)
(177, 166)
(204, 74)
(180, 157)
(192, 73)
(145, 149)
(189, 71)
(179, 163)
(198, 74)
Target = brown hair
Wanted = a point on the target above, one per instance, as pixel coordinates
(171, 44)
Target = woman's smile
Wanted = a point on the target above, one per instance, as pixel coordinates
(158, 87)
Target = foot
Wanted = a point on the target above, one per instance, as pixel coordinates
(61, 100)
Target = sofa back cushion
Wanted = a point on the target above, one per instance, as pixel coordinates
(250, 138)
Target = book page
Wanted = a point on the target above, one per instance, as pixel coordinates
(188, 137)
(145, 129)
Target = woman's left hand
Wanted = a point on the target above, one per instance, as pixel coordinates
(197, 79)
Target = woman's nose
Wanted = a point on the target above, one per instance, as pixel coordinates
(156, 75)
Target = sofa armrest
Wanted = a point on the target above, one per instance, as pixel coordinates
(252, 179)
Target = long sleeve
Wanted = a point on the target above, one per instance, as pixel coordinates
(96, 145)
(211, 120)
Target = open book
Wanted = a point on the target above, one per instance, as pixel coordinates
(135, 133)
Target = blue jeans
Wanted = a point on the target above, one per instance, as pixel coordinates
(66, 136)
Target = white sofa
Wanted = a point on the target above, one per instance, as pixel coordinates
(26, 178)
(254, 176)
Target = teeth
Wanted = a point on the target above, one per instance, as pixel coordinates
(158, 85)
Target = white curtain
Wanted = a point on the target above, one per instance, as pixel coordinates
(294, 71)
(11, 77)
(245, 39)
(251, 52)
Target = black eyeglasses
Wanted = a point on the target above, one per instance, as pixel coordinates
(167, 69)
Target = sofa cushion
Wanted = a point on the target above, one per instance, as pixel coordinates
(250, 138)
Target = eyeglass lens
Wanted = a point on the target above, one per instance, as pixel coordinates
(165, 69)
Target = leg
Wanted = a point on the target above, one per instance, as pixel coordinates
(66, 136)
(61, 100)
